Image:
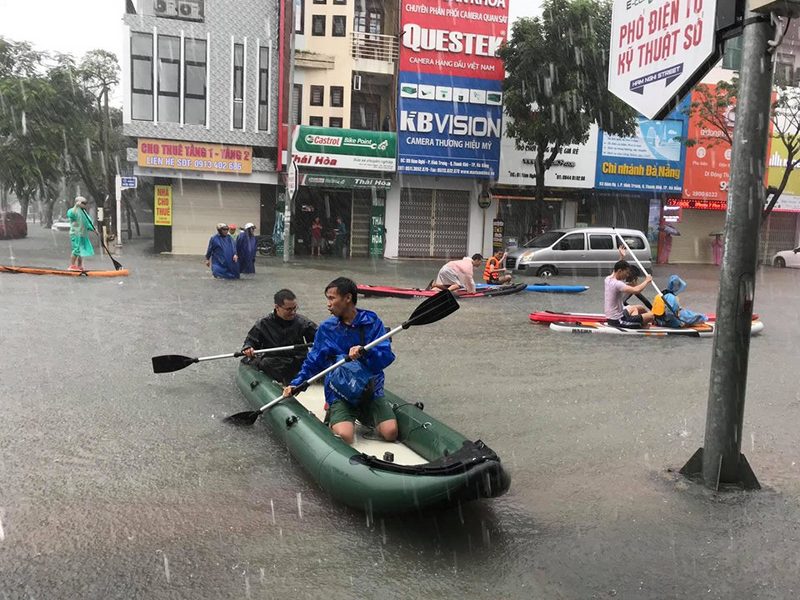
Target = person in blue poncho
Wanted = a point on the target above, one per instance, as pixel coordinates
(671, 314)
(221, 254)
(246, 249)
(80, 224)
(345, 334)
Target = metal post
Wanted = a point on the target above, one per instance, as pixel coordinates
(720, 461)
(288, 250)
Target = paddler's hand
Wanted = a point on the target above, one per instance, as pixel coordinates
(249, 352)
(235, 258)
(356, 352)
(287, 391)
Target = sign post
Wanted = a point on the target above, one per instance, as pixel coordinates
(121, 183)
(657, 48)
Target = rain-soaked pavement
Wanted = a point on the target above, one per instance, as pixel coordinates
(118, 483)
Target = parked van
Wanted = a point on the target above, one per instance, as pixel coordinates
(586, 249)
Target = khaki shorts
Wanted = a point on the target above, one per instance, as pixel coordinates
(370, 413)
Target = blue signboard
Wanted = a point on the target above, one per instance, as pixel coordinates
(449, 126)
(653, 160)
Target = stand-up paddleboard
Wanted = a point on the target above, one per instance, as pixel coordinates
(549, 316)
(387, 291)
(543, 287)
(46, 271)
(698, 331)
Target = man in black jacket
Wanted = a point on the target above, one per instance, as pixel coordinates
(283, 327)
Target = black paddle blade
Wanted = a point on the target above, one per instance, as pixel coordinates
(171, 362)
(433, 309)
(243, 418)
(117, 265)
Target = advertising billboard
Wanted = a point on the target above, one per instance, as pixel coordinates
(334, 148)
(652, 160)
(574, 166)
(450, 101)
(789, 200)
(194, 156)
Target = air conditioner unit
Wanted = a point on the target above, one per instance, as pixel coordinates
(164, 8)
(191, 10)
(357, 83)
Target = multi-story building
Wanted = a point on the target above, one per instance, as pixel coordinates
(200, 84)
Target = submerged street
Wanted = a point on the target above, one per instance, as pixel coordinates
(119, 483)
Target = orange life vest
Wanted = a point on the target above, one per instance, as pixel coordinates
(492, 265)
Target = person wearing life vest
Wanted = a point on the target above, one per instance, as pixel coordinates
(494, 273)
(667, 308)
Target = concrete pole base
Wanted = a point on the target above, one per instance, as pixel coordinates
(745, 478)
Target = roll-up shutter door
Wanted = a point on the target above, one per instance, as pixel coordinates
(197, 207)
(450, 224)
(433, 223)
(693, 245)
(778, 233)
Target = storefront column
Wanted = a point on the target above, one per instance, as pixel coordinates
(392, 221)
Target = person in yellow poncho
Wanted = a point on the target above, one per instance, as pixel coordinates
(80, 224)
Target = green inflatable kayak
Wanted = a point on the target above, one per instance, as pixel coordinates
(430, 466)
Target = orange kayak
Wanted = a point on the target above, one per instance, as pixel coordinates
(46, 271)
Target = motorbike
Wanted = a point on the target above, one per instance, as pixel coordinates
(265, 245)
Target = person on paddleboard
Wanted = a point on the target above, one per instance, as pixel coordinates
(351, 391)
(457, 274)
(495, 271)
(668, 310)
(284, 326)
(616, 290)
(80, 224)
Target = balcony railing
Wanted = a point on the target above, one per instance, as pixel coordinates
(374, 46)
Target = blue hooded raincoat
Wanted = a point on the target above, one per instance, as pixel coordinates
(221, 250)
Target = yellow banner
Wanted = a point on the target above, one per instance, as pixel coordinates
(195, 156)
(162, 212)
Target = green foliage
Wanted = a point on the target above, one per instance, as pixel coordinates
(557, 79)
(55, 124)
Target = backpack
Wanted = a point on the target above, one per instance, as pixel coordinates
(352, 382)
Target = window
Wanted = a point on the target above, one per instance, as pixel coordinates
(340, 1)
(368, 17)
(320, 1)
(297, 104)
(600, 242)
(365, 115)
(634, 242)
(194, 75)
(315, 121)
(335, 122)
(732, 57)
(299, 16)
(263, 89)
(169, 79)
(238, 86)
(318, 25)
(337, 96)
(573, 241)
(339, 26)
(142, 76)
(317, 95)
(784, 69)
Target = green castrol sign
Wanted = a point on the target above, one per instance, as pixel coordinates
(333, 148)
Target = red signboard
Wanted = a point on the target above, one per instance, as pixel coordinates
(458, 38)
(708, 161)
(699, 204)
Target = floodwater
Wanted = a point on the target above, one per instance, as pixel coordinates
(118, 483)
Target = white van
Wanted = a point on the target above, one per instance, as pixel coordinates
(592, 249)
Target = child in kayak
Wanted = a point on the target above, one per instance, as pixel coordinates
(667, 308)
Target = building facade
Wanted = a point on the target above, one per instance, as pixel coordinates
(200, 88)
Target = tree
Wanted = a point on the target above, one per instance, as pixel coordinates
(712, 105)
(556, 84)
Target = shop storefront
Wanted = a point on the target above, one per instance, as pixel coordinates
(344, 175)
(199, 185)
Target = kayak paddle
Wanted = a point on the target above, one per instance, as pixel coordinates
(175, 362)
(624, 243)
(431, 310)
(117, 264)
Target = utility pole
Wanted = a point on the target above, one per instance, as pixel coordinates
(720, 460)
(288, 250)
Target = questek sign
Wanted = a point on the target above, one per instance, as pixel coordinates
(656, 47)
(450, 105)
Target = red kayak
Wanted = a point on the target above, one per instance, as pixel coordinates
(549, 316)
(387, 291)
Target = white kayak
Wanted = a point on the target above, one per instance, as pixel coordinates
(702, 330)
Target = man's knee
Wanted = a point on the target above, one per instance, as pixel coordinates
(388, 430)
(345, 430)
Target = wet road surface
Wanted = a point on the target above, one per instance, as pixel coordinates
(118, 483)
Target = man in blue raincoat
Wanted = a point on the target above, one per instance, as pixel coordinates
(246, 249)
(345, 334)
(221, 254)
